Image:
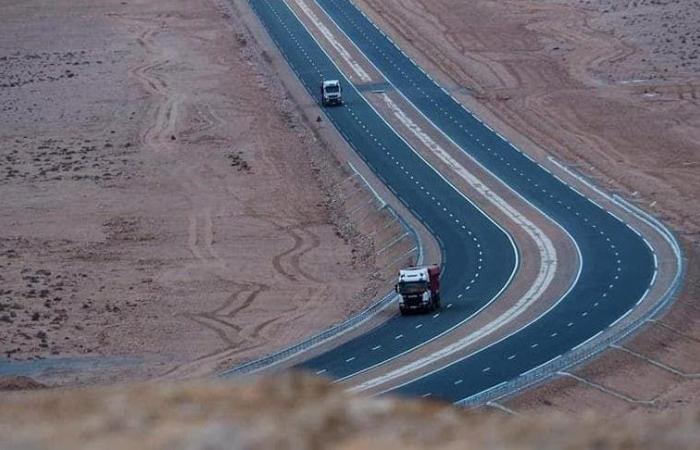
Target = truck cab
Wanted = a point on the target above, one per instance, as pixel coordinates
(419, 289)
(331, 93)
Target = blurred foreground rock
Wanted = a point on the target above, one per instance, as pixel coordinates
(299, 412)
(19, 384)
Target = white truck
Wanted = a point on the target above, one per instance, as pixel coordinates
(419, 289)
(331, 93)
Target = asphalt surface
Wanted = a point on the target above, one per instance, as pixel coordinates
(479, 258)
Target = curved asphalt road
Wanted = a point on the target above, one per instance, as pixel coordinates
(479, 257)
(617, 265)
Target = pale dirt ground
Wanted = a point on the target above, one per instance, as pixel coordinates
(611, 88)
(293, 412)
(157, 205)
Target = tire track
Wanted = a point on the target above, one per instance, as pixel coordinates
(278, 259)
(288, 262)
(312, 243)
(159, 136)
(165, 110)
(236, 335)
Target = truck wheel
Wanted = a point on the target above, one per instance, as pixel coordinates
(402, 310)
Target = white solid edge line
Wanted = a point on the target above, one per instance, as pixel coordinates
(588, 340)
(622, 317)
(538, 366)
(374, 192)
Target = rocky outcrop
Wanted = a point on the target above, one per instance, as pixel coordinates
(19, 384)
(299, 412)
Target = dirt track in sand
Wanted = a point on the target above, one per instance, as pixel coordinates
(612, 89)
(156, 206)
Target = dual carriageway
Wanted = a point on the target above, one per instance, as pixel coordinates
(537, 261)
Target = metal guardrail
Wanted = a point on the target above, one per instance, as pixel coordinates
(339, 328)
(612, 335)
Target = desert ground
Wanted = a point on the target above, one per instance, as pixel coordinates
(167, 211)
(163, 218)
(612, 89)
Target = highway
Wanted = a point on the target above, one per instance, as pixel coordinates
(480, 259)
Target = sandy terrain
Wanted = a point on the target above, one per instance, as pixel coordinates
(610, 88)
(298, 413)
(161, 216)
(162, 219)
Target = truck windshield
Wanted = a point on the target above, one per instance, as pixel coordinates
(332, 89)
(412, 287)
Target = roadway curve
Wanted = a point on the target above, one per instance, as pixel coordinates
(477, 253)
(617, 265)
